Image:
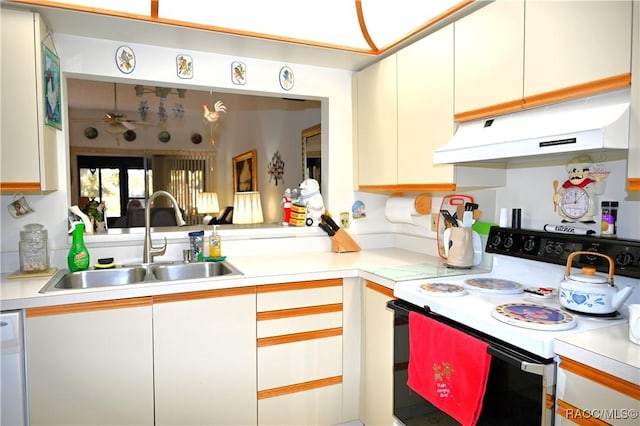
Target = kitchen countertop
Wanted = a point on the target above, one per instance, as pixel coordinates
(263, 269)
(607, 349)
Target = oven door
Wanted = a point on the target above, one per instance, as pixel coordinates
(520, 388)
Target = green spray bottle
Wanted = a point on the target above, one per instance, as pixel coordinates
(78, 258)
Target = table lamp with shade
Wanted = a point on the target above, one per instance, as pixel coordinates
(207, 203)
(247, 208)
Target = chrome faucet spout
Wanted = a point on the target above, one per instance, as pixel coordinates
(149, 250)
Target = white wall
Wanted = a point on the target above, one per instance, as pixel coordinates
(94, 59)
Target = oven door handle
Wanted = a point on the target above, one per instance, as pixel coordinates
(526, 366)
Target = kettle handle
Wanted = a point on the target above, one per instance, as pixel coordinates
(590, 253)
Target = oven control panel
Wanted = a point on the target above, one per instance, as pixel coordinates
(555, 248)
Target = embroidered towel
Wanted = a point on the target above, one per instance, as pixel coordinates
(447, 368)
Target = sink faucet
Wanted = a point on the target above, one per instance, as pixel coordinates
(149, 250)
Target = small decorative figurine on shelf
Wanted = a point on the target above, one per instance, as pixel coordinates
(311, 198)
(286, 206)
(576, 197)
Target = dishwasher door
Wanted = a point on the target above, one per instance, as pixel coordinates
(12, 369)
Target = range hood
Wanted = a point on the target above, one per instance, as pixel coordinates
(595, 123)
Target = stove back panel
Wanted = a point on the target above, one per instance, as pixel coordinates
(555, 248)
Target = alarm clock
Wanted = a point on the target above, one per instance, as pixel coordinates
(575, 203)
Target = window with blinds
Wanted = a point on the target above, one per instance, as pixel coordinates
(185, 177)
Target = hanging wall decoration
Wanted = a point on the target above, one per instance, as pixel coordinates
(286, 78)
(184, 65)
(212, 117)
(51, 69)
(238, 73)
(125, 59)
(275, 169)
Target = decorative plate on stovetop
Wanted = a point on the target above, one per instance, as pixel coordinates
(494, 285)
(536, 317)
(443, 289)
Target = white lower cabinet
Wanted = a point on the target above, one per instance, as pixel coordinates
(299, 341)
(90, 363)
(587, 396)
(378, 355)
(204, 357)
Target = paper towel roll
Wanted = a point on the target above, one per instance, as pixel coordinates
(400, 210)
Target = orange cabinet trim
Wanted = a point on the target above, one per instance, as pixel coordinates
(20, 186)
(299, 285)
(88, 307)
(380, 289)
(580, 90)
(298, 312)
(299, 337)
(578, 416)
(613, 382)
(634, 184)
(428, 187)
(299, 387)
(204, 294)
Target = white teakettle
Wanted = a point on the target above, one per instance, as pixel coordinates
(590, 292)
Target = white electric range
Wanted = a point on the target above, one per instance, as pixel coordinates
(525, 259)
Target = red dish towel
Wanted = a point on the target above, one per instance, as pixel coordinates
(447, 367)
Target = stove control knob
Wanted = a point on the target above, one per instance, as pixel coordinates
(495, 241)
(508, 242)
(624, 258)
(529, 245)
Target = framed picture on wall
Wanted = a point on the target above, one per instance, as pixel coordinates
(245, 173)
(51, 77)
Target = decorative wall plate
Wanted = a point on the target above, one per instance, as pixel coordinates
(196, 138)
(125, 59)
(286, 78)
(184, 66)
(129, 135)
(91, 133)
(238, 73)
(164, 136)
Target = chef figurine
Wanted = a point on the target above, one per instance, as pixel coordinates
(577, 195)
(286, 206)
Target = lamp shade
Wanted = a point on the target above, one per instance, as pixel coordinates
(207, 202)
(247, 208)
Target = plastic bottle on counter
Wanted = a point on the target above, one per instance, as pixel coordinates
(78, 258)
(609, 219)
(215, 244)
(196, 243)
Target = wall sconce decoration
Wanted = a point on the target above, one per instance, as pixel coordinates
(275, 169)
(91, 133)
(247, 208)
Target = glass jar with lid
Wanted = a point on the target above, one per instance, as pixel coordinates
(34, 253)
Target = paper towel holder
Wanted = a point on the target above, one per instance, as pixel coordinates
(421, 202)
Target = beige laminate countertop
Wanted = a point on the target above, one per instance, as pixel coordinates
(263, 269)
(607, 349)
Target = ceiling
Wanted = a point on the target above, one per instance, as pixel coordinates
(328, 45)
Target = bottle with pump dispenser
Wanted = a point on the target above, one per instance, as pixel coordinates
(78, 258)
(215, 244)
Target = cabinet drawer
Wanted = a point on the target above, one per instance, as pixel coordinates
(298, 362)
(297, 295)
(299, 324)
(320, 406)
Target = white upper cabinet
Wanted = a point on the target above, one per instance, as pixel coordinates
(29, 147)
(378, 123)
(488, 56)
(569, 43)
(425, 107)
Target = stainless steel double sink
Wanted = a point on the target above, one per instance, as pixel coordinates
(137, 274)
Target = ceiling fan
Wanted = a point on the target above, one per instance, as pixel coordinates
(117, 122)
